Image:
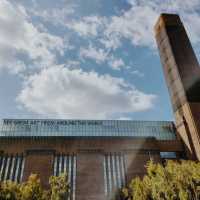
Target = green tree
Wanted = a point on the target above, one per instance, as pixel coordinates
(59, 187)
(32, 189)
(174, 181)
(9, 191)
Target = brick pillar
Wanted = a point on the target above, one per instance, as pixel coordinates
(90, 177)
(39, 162)
(182, 74)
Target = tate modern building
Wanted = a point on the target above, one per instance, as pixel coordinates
(102, 156)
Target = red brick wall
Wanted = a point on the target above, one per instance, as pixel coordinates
(41, 163)
(90, 177)
(39, 156)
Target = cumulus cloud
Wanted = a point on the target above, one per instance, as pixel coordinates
(57, 15)
(88, 26)
(20, 38)
(99, 55)
(58, 91)
(116, 63)
(136, 24)
(137, 73)
(95, 26)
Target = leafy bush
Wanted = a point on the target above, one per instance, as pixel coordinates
(174, 181)
(32, 189)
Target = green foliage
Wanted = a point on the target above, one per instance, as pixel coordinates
(9, 191)
(175, 181)
(32, 189)
(59, 187)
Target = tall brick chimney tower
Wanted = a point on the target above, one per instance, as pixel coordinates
(182, 74)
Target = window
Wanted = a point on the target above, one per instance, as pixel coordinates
(168, 155)
(37, 128)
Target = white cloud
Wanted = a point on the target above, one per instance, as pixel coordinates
(72, 64)
(125, 118)
(55, 15)
(136, 24)
(171, 5)
(137, 73)
(116, 63)
(88, 26)
(60, 92)
(95, 26)
(192, 23)
(111, 42)
(99, 55)
(19, 37)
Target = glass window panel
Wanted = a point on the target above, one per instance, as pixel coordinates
(160, 130)
(168, 155)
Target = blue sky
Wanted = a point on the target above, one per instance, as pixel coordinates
(91, 59)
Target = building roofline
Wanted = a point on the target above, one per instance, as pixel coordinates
(52, 119)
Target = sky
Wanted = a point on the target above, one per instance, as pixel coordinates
(86, 59)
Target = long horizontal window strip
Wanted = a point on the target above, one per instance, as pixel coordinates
(36, 128)
(67, 164)
(168, 155)
(114, 173)
(12, 167)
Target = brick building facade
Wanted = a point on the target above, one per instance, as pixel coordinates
(104, 154)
